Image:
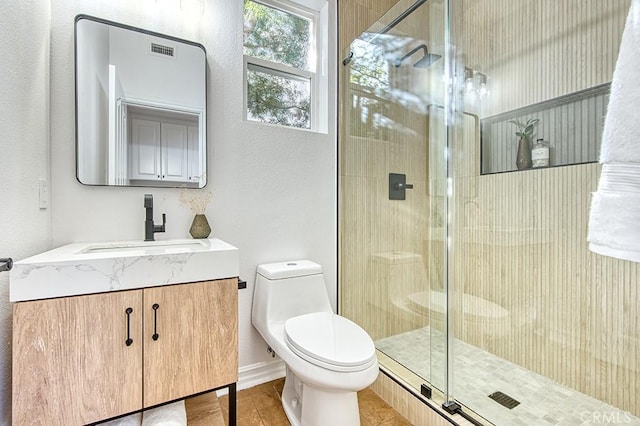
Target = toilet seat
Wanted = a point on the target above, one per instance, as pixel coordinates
(330, 341)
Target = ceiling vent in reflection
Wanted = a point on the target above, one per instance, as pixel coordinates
(160, 49)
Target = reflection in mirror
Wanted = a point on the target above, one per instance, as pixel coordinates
(140, 107)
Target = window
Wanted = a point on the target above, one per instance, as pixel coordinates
(281, 84)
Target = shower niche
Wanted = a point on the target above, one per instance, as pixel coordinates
(571, 126)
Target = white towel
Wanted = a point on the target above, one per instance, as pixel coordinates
(168, 415)
(132, 420)
(621, 131)
(614, 223)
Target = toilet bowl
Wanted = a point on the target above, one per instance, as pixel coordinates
(328, 357)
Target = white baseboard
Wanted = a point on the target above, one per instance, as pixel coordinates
(258, 373)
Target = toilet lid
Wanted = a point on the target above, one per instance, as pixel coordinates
(330, 341)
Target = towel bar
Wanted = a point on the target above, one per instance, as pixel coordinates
(6, 264)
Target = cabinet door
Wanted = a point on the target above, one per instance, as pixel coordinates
(71, 364)
(174, 152)
(193, 155)
(197, 339)
(145, 150)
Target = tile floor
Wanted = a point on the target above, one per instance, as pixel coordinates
(261, 406)
(479, 373)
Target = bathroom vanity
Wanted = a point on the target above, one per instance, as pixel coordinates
(98, 339)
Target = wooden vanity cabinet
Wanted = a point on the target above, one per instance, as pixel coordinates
(197, 343)
(72, 364)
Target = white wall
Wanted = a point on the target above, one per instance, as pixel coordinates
(149, 77)
(24, 152)
(274, 189)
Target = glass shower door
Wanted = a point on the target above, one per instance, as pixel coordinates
(392, 190)
(546, 332)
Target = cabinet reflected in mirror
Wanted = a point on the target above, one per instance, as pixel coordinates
(140, 107)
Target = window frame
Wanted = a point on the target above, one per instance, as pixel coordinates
(287, 71)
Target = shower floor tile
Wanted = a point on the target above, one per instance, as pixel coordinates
(478, 373)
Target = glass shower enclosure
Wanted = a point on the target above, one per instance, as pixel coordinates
(463, 251)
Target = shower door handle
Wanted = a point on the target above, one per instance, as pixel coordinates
(398, 186)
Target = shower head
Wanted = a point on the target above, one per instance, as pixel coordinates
(425, 62)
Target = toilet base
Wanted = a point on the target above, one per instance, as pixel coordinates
(306, 405)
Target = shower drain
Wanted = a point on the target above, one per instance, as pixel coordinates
(504, 399)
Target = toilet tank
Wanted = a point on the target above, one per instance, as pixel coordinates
(288, 289)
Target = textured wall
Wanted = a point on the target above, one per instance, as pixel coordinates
(274, 188)
(24, 145)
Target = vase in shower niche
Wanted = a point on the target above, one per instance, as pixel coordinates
(525, 133)
(200, 227)
(523, 157)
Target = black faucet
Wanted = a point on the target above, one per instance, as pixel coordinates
(149, 228)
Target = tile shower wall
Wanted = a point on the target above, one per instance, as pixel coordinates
(356, 16)
(573, 315)
(520, 238)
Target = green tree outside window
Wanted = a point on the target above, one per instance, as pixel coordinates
(284, 38)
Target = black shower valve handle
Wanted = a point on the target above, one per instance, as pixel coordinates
(401, 186)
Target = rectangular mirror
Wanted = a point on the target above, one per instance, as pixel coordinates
(140, 107)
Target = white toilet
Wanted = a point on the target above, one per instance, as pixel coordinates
(328, 357)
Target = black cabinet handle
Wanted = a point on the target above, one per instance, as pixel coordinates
(155, 321)
(129, 340)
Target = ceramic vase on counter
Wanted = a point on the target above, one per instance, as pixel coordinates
(200, 227)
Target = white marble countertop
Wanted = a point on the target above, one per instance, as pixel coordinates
(84, 268)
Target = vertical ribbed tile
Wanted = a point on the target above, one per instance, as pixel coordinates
(519, 238)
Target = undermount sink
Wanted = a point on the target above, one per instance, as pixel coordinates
(169, 246)
(98, 267)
